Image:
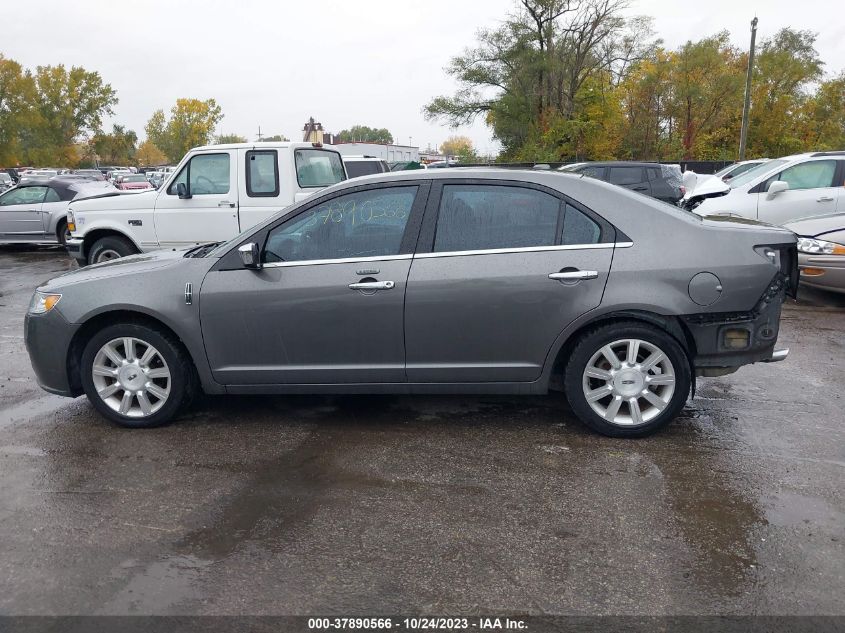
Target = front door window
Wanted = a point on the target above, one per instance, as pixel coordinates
(362, 224)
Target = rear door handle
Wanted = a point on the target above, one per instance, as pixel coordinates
(226, 203)
(372, 285)
(575, 274)
(825, 199)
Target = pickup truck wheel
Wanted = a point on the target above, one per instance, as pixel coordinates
(627, 379)
(136, 375)
(62, 234)
(110, 247)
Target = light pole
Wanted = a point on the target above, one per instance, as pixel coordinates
(746, 108)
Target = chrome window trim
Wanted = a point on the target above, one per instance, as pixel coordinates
(491, 251)
(342, 260)
(526, 249)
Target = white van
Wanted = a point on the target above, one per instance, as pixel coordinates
(215, 192)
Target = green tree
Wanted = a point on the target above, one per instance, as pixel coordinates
(69, 103)
(229, 138)
(280, 138)
(191, 124)
(529, 76)
(17, 99)
(116, 148)
(364, 134)
(785, 70)
(823, 116)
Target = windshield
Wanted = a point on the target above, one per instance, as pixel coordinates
(318, 168)
(138, 178)
(759, 170)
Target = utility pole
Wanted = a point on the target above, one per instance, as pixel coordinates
(743, 135)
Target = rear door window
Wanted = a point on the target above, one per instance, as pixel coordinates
(262, 173)
(579, 228)
(483, 217)
(625, 175)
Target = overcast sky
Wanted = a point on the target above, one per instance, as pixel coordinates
(373, 62)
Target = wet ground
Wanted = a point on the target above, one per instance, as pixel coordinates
(446, 505)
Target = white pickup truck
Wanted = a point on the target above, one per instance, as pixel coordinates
(216, 192)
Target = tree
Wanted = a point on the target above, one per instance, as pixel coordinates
(117, 148)
(17, 96)
(460, 146)
(364, 134)
(533, 71)
(785, 68)
(191, 124)
(149, 155)
(229, 138)
(69, 103)
(275, 138)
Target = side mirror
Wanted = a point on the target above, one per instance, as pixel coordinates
(775, 188)
(182, 190)
(250, 255)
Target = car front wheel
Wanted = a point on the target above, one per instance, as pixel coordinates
(110, 247)
(136, 375)
(627, 379)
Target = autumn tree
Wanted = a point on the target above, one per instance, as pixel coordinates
(191, 124)
(229, 138)
(364, 134)
(17, 95)
(149, 155)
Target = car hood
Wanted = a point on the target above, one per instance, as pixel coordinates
(708, 185)
(133, 264)
(818, 226)
(114, 200)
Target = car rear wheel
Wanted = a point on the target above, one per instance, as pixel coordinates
(136, 375)
(627, 379)
(110, 247)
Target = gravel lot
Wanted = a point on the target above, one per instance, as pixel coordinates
(444, 505)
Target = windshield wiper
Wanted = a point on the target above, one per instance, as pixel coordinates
(201, 250)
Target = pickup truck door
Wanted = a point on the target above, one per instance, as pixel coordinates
(210, 213)
(20, 214)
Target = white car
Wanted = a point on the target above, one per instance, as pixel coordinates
(693, 181)
(779, 190)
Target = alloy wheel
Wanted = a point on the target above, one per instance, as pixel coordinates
(629, 382)
(131, 377)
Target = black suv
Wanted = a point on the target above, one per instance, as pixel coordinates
(653, 179)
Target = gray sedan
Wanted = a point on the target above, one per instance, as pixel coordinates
(821, 251)
(441, 281)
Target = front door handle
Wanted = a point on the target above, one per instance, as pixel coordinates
(825, 199)
(572, 275)
(372, 285)
(226, 203)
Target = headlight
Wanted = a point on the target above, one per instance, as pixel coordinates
(43, 302)
(819, 247)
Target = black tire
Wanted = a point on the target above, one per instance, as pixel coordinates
(183, 382)
(594, 340)
(61, 232)
(111, 244)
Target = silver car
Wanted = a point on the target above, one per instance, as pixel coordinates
(444, 281)
(821, 251)
(36, 210)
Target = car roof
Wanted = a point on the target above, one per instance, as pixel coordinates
(262, 145)
(624, 163)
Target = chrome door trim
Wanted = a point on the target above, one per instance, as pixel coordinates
(527, 249)
(372, 285)
(342, 260)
